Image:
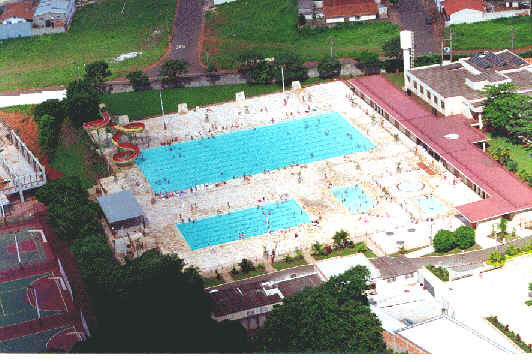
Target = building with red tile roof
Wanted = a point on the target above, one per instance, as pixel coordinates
(454, 142)
(453, 6)
(349, 10)
(17, 12)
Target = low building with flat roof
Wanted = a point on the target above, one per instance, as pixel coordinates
(456, 88)
(122, 212)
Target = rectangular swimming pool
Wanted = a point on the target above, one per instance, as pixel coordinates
(354, 198)
(206, 161)
(430, 205)
(221, 229)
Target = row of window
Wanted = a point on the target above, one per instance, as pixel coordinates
(431, 98)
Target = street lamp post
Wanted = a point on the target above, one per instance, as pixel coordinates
(282, 75)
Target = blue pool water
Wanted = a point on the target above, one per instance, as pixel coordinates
(184, 165)
(430, 205)
(354, 198)
(221, 229)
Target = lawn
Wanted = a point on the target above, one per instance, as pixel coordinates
(76, 156)
(495, 34)
(396, 78)
(251, 274)
(519, 153)
(455, 251)
(139, 105)
(99, 32)
(344, 252)
(270, 27)
(282, 264)
(211, 282)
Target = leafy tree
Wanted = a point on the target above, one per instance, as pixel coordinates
(444, 240)
(301, 20)
(506, 112)
(392, 48)
(246, 266)
(317, 249)
(329, 67)
(503, 225)
(211, 68)
(173, 70)
(294, 68)
(96, 73)
(368, 59)
(82, 101)
(47, 134)
(51, 107)
(341, 239)
(139, 81)
(465, 237)
(333, 318)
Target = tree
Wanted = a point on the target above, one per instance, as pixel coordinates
(368, 59)
(506, 112)
(294, 68)
(301, 20)
(341, 239)
(392, 48)
(332, 318)
(139, 81)
(444, 241)
(47, 134)
(173, 70)
(246, 266)
(464, 237)
(96, 72)
(329, 67)
(82, 101)
(51, 107)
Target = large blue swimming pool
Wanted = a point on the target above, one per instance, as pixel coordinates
(220, 229)
(184, 165)
(354, 198)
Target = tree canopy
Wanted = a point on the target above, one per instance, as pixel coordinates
(82, 101)
(444, 240)
(96, 72)
(392, 48)
(333, 318)
(329, 67)
(172, 70)
(506, 112)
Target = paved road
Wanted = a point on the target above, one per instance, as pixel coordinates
(412, 17)
(186, 33)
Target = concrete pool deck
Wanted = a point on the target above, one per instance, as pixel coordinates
(377, 172)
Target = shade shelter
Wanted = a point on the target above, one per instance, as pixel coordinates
(122, 212)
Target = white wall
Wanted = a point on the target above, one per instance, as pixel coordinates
(13, 20)
(363, 18)
(218, 2)
(468, 16)
(334, 20)
(31, 98)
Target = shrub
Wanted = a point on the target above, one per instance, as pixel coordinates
(496, 257)
(341, 239)
(329, 67)
(512, 165)
(246, 266)
(444, 241)
(294, 68)
(139, 81)
(368, 59)
(512, 250)
(234, 271)
(51, 107)
(439, 271)
(465, 237)
(288, 259)
(317, 249)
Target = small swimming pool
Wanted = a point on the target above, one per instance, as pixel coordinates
(354, 198)
(221, 229)
(206, 161)
(430, 205)
(411, 186)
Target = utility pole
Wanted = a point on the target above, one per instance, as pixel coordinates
(513, 37)
(282, 75)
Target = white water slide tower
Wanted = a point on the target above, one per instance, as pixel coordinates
(407, 44)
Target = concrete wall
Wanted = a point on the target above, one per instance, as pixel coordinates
(15, 30)
(468, 16)
(400, 344)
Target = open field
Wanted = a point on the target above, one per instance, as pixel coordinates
(270, 27)
(495, 34)
(99, 32)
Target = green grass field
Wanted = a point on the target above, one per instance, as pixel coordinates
(270, 26)
(139, 105)
(519, 153)
(495, 34)
(98, 32)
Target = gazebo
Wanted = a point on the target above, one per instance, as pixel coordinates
(122, 212)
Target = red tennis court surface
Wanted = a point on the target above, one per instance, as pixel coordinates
(49, 296)
(65, 339)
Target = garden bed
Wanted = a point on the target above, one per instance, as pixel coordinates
(280, 265)
(510, 334)
(455, 251)
(344, 252)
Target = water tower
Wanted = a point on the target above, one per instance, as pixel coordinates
(407, 44)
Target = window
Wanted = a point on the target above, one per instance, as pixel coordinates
(415, 85)
(408, 79)
(421, 89)
(435, 100)
(442, 104)
(428, 95)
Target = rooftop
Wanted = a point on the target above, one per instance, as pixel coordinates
(336, 266)
(453, 6)
(53, 6)
(389, 267)
(23, 10)
(262, 290)
(450, 80)
(120, 206)
(347, 8)
(506, 192)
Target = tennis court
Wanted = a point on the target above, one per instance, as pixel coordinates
(21, 247)
(19, 298)
(55, 339)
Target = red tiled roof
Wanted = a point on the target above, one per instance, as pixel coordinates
(347, 8)
(452, 6)
(506, 192)
(23, 10)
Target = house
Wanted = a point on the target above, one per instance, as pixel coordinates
(339, 11)
(250, 301)
(456, 88)
(54, 13)
(473, 11)
(15, 13)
